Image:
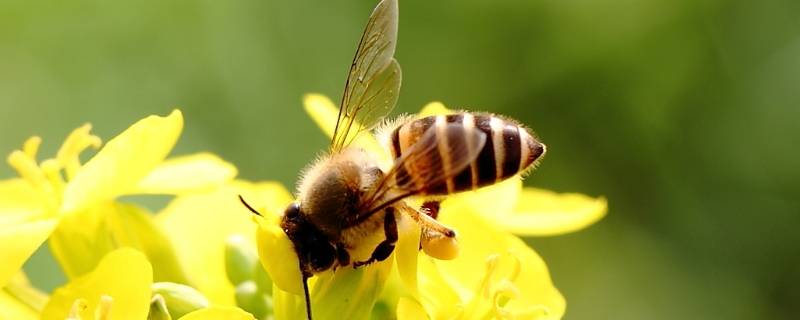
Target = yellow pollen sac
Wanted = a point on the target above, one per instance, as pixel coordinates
(440, 247)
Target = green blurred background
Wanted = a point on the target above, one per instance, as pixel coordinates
(683, 113)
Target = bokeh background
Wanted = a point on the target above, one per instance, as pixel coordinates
(684, 113)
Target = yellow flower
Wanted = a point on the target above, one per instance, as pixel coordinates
(119, 288)
(74, 205)
(497, 275)
(19, 300)
(216, 313)
(200, 224)
(12, 308)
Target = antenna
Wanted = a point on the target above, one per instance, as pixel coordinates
(249, 207)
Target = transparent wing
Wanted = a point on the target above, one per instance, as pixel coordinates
(373, 83)
(437, 157)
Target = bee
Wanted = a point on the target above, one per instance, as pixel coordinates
(347, 206)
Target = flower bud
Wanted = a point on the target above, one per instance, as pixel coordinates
(253, 300)
(180, 299)
(158, 309)
(240, 259)
(262, 279)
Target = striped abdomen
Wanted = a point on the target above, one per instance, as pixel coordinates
(509, 149)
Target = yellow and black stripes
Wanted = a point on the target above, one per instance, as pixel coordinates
(508, 150)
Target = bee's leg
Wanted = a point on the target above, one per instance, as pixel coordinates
(426, 221)
(431, 208)
(385, 248)
(342, 256)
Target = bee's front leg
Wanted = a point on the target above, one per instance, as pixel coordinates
(386, 247)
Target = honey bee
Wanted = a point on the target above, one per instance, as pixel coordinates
(346, 201)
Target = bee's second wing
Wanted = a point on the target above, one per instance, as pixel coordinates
(373, 82)
(443, 152)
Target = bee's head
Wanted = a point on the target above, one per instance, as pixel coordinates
(314, 250)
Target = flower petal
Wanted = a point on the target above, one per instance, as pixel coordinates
(18, 241)
(278, 257)
(287, 305)
(410, 309)
(124, 275)
(20, 289)
(215, 313)
(123, 162)
(349, 293)
(545, 213)
(135, 227)
(322, 111)
(346, 293)
(407, 254)
(482, 240)
(11, 308)
(82, 239)
(494, 202)
(200, 224)
(18, 200)
(434, 109)
(187, 173)
(325, 113)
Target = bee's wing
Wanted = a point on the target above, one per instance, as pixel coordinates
(373, 83)
(438, 156)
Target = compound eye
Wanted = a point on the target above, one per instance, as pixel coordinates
(321, 257)
(293, 210)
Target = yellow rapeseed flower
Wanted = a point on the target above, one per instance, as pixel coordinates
(118, 288)
(219, 313)
(19, 300)
(74, 204)
(204, 238)
(496, 276)
(200, 224)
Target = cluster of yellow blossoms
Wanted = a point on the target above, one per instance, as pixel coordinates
(204, 256)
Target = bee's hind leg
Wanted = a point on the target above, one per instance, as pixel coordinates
(386, 247)
(426, 217)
